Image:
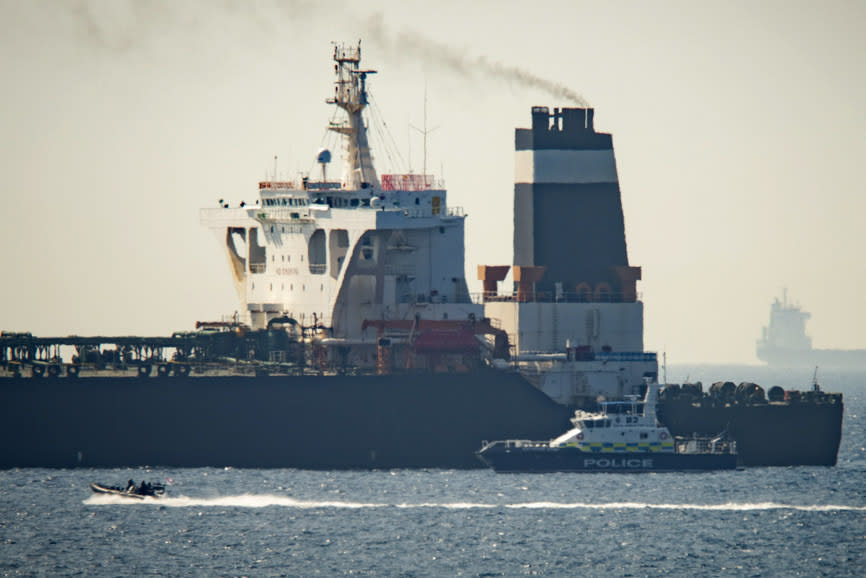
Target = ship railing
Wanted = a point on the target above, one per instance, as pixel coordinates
(559, 297)
(625, 356)
(717, 445)
(410, 182)
(515, 444)
(318, 269)
(455, 212)
(258, 267)
(276, 185)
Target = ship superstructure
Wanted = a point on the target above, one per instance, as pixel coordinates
(354, 258)
(359, 346)
(575, 318)
(786, 330)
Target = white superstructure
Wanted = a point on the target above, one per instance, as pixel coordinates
(373, 262)
(334, 254)
(627, 430)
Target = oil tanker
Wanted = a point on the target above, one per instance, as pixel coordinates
(359, 345)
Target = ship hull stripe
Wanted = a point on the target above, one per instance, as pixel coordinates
(565, 166)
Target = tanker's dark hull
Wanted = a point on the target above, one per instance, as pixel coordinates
(394, 421)
(767, 434)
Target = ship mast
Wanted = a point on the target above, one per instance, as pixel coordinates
(350, 94)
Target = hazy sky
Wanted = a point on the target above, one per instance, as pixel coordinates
(738, 127)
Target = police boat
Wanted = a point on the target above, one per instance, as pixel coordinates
(622, 437)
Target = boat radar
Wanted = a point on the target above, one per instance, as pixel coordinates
(323, 157)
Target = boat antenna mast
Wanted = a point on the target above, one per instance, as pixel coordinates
(425, 132)
(350, 94)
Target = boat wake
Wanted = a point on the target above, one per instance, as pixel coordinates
(269, 500)
(727, 507)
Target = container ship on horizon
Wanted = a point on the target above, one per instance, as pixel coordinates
(360, 346)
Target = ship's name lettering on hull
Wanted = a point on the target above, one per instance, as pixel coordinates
(287, 271)
(618, 463)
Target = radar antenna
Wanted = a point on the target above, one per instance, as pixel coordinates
(425, 132)
(323, 157)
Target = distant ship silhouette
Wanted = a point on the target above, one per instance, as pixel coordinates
(784, 342)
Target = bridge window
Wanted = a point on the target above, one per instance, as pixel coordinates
(317, 252)
(338, 245)
(257, 253)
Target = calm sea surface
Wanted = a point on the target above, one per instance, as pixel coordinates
(808, 521)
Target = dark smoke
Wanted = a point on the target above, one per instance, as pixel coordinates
(418, 46)
(122, 25)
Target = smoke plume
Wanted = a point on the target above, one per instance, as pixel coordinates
(123, 25)
(418, 46)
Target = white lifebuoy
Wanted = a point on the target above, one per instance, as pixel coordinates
(663, 435)
(580, 435)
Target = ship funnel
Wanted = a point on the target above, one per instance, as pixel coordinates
(567, 208)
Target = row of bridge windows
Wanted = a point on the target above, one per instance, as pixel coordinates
(285, 202)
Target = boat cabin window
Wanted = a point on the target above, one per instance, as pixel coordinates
(644, 435)
(596, 423)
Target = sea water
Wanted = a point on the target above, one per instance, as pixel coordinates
(808, 521)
